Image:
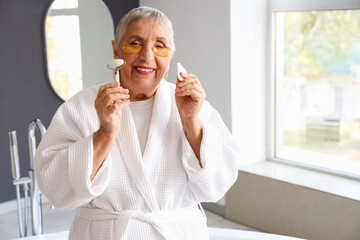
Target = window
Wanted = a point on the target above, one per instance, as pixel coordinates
(316, 91)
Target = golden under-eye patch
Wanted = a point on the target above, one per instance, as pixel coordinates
(128, 48)
(162, 52)
(136, 49)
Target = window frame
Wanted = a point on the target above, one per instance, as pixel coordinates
(286, 6)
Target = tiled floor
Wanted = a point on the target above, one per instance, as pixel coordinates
(58, 220)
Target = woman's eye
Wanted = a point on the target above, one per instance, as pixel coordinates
(135, 44)
(160, 46)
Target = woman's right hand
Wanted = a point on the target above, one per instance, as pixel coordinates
(110, 101)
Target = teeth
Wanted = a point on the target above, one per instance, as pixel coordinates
(145, 70)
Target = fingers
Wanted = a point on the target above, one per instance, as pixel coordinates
(188, 79)
(181, 74)
(109, 102)
(195, 94)
(106, 86)
(111, 93)
(190, 86)
(113, 98)
(118, 106)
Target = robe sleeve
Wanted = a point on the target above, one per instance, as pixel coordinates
(219, 156)
(64, 158)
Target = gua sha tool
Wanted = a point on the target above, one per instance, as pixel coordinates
(116, 65)
(180, 68)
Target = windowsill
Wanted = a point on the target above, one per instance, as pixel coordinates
(336, 185)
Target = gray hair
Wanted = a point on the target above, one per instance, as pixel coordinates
(141, 13)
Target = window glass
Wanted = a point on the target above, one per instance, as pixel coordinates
(317, 75)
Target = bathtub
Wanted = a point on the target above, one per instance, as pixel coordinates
(215, 234)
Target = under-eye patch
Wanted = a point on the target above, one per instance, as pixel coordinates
(136, 49)
(128, 48)
(162, 52)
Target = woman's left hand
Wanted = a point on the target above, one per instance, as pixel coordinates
(189, 96)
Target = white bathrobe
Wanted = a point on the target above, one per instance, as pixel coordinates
(153, 196)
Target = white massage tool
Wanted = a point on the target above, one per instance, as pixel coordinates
(116, 65)
(180, 68)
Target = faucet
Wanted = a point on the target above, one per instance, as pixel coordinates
(35, 194)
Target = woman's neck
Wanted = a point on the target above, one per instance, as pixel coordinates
(140, 96)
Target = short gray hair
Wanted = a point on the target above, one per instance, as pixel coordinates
(141, 13)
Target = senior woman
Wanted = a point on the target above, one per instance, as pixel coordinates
(137, 157)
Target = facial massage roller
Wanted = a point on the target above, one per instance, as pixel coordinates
(116, 65)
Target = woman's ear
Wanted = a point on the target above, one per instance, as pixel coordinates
(114, 49)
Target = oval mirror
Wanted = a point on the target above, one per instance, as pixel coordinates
(78, 36)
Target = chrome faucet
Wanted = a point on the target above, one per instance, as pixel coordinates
(35, 194)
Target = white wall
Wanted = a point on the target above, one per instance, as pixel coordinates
(248, 74)
(202, 39)
(97, 31)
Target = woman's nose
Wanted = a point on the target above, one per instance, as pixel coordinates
(147, 54)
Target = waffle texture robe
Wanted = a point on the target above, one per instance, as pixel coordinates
(135, 196)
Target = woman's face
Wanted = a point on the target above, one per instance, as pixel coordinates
(143, 71)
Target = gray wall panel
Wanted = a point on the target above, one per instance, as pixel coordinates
(25, 93)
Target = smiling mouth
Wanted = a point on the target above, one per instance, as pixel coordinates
(144, 70)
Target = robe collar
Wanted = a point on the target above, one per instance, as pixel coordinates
(130, 147)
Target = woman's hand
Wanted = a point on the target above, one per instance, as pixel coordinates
(189, 96)
(110, 101)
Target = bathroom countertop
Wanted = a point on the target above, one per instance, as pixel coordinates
(215, 234)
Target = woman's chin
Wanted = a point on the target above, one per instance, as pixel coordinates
(145, 82)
